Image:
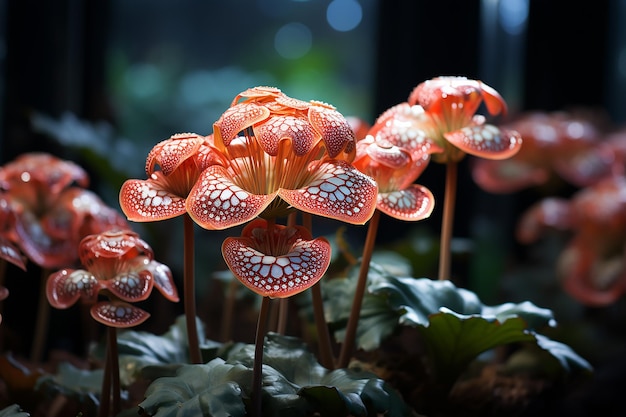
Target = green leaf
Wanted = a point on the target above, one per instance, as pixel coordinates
(138, 349)
(454, 340)
(454, 324)
(569, 360)
(294, 384)
(79, 384)
(13, 410)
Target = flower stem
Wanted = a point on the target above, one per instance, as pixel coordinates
(41, 325)
(447, 221)
(110, 405)
(347, 347)
(257, 369)
(190, 292)
(323, 335)
(114, 366)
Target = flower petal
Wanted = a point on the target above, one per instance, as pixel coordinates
(550, 213)
(334, 129)
(118, 314)
(411, 204)
(508, 175)
(148, 201)
(131, 286)
(11, 253)
(281, 127)
(65, 287)
(216, 203)
(236, 119)
(339, 192)
(486, 141)
(170, 153)
(163, 280)
(277, 276)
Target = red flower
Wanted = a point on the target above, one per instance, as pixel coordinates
(593, 265)
(447, 116)
(561, 145)
(283, 153)
(394, 169)
(276, 261)
(51, 209)
(181, 160)
(120, 265)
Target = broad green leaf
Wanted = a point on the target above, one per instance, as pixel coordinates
(138, 349)
(13, 410)
(294, 384)
(569, 360)
(82, 385)
(453, 322)
(454, 340)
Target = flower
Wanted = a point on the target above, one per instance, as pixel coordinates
(395, 169)
(593, 265)
(51, 210)
(181, 160)
(118, 264)
(276, 261)
(283, 153)
(8, 250)
(557, 146)
(446, 113)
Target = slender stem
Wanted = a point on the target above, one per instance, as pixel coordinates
(283, 308)
(257, 370)
(325, 348)
(447, 221)
(105, 391)
(114, 366)
(190, 292)
(347, 347)
(228, 311)
(41, 325)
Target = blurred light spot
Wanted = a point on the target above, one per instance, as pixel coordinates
(513, 15)
(293, 40)
(344, 15)
(143, 80)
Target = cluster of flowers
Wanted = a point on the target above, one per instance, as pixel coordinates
(269, 155)
(579, 149)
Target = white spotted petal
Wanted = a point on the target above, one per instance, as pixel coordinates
(217, 203)
(339, 191)
(118, 314)
(486, 141)
(278, 276)
(413, 203)
(65, 287)
(147, 201)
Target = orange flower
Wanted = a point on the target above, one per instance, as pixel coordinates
(181, 160)
(276, 261)
(395, 169)
(52, 211)
(118, 264)
(283, 153)
(447, 116)
(593, 265)
(557, 146)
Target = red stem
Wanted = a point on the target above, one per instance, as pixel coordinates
(445, 257)
(41, 325)
(190, 292)
(325, 348)
(347, 348)
(257, 369)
